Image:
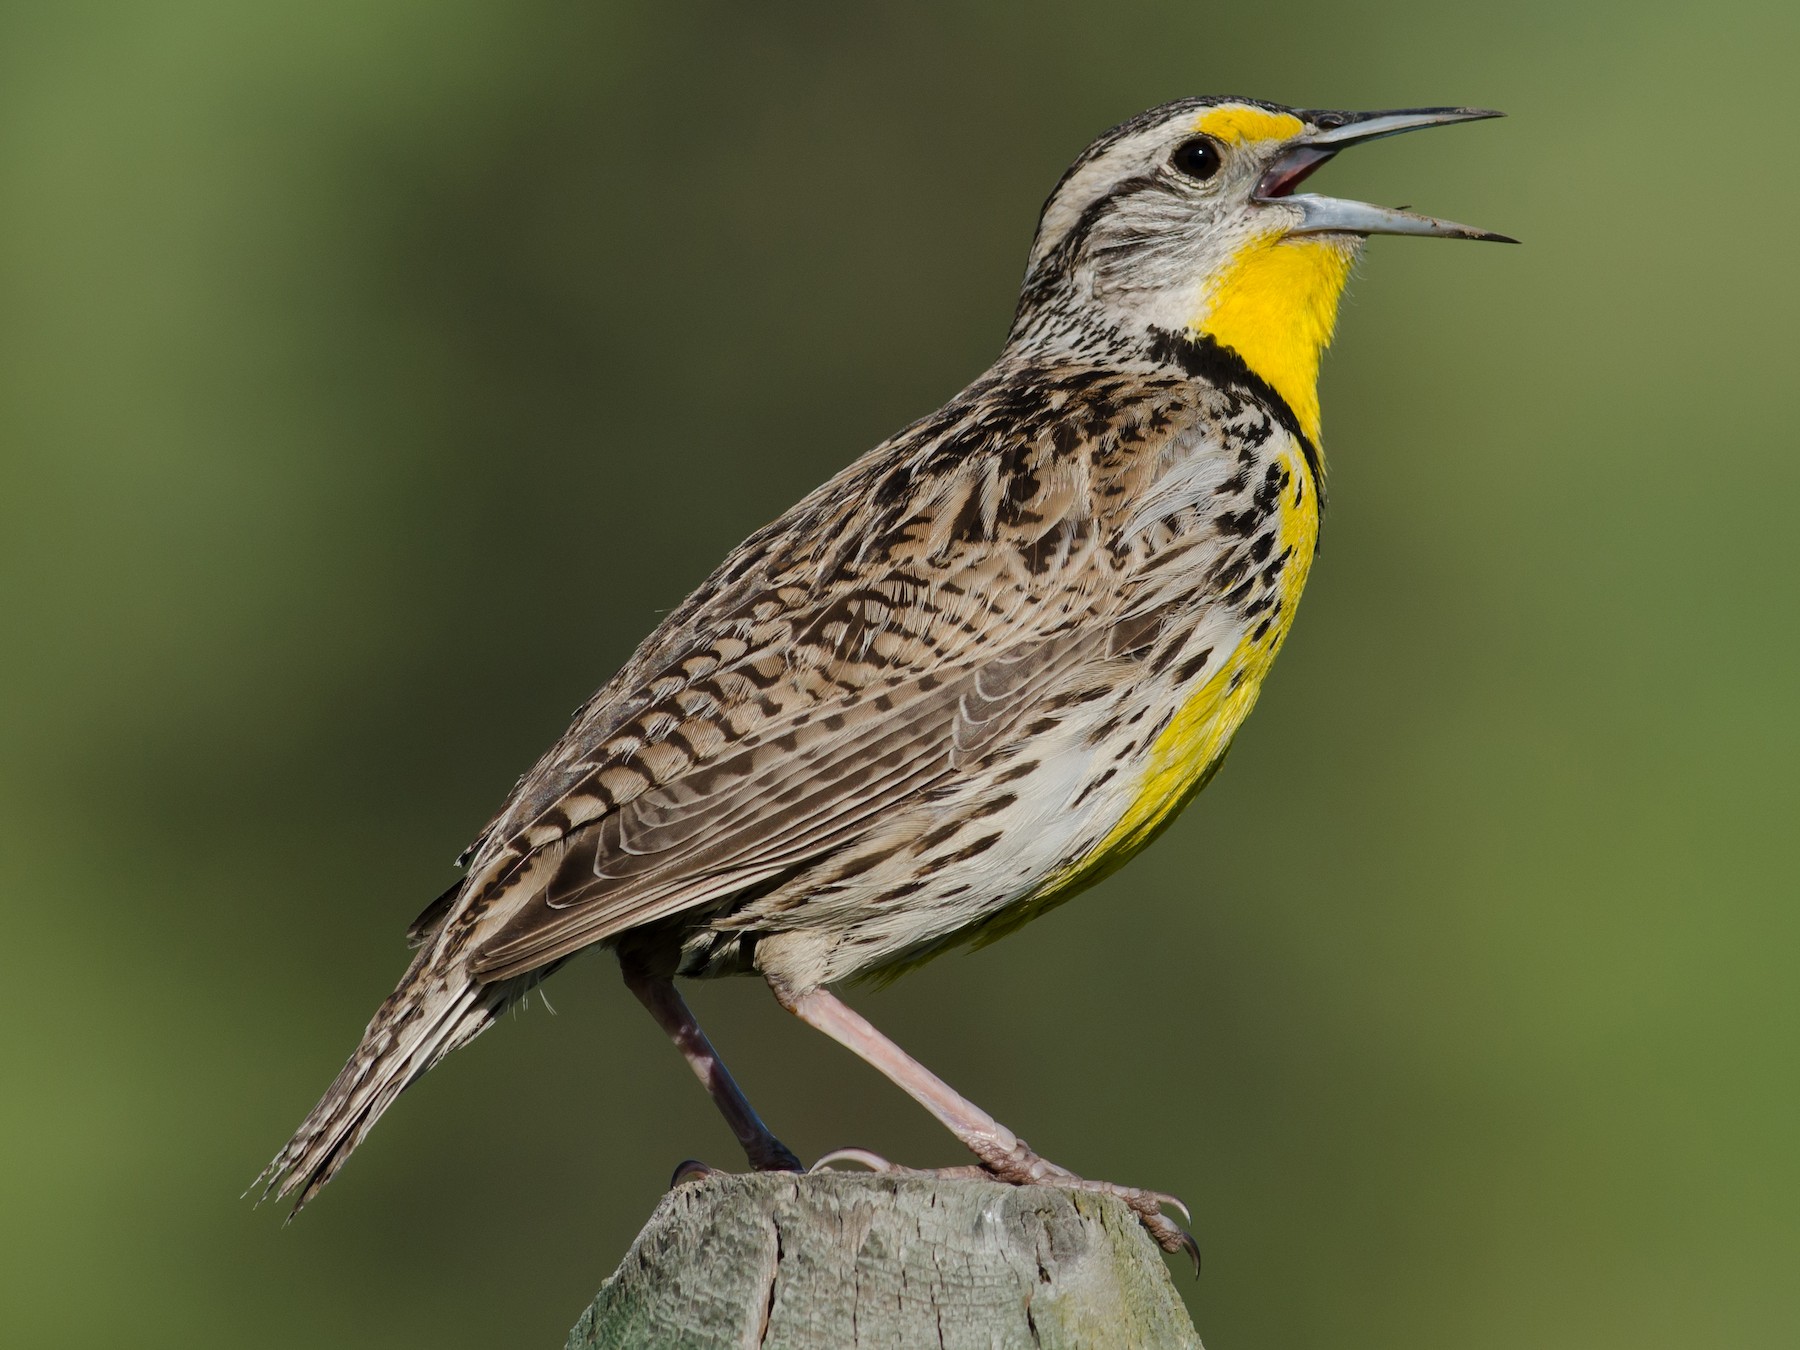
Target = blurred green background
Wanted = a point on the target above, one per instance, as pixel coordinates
(375, 373)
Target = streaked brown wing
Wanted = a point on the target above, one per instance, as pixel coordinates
(805, 787)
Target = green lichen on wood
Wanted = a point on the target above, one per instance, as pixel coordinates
(843, 1261)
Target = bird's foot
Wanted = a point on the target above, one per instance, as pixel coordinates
(773, 1157)
(1019, 1166)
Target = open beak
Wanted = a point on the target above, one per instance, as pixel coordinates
(1333, 215)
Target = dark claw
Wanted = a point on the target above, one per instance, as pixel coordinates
(1192, 1248)
(691, 1170)
(1168, 1236)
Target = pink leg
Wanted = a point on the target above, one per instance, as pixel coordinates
(1002, 1153)
(658, 994)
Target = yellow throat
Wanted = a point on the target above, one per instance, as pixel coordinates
(1275, 305)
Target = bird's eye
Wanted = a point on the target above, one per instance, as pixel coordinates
(1198, 158)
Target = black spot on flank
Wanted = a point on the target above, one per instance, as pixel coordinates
(868, 862)
(932, 838)
(1193, 665)
(999, 802)
(1261, 630)
(1262, 547)
(1240, 523)
(1165, 654)
(1095, 785)
(1100, 734)
(1074, 698)
(1255, 433)
(976, 849)
(1022, 769)
(1275, 478)
(1229, 569)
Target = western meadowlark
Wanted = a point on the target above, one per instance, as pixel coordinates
(976, 671)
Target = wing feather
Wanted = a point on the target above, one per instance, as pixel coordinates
(674, 848)
(845, 662)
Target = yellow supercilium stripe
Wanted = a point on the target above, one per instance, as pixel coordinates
(1238, 122)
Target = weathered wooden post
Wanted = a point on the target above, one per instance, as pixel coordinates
(838, 1260)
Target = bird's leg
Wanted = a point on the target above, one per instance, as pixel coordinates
(1002, 1153)
(658, 994)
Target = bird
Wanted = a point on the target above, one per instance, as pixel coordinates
(973, 673)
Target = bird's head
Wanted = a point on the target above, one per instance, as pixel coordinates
(1185, 220)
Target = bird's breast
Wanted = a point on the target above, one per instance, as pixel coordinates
(1240, 605)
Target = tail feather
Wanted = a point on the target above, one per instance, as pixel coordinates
(431, 1013)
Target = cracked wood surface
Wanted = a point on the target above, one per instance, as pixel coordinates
(841, 1261)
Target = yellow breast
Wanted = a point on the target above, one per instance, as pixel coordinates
(1275, 304)
(1194, 742)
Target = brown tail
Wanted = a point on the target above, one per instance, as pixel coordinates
(428, 1016)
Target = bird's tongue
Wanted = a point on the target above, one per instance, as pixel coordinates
(1293, 169)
